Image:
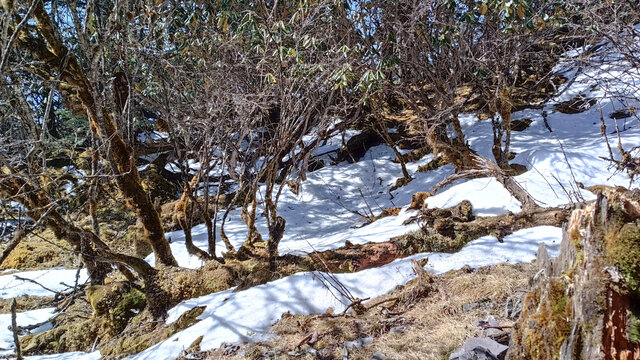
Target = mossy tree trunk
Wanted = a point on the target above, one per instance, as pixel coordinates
(583, 304)
(184, 212)
(94, 252)
(502, 129)
(49, 49)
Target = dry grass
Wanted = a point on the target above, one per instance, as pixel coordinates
(41, 250)
(25, 303)
(417, 327)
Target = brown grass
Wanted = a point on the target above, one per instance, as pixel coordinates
(432, 326)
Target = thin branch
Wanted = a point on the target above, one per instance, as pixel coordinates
(5, 54)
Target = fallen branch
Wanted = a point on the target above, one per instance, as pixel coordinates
(499, 327)
(309, 339)
(357, 306)
(369, 307)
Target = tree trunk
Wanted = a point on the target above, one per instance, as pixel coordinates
(94, 252)
(55, 54)
(276, 231)
(502, 129)
(583, 304)
(184, 212)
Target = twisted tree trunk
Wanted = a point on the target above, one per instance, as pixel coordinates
(49, 49)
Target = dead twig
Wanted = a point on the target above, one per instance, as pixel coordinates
(37, 283)
(310, 339)
(395, 299)
(14, 329)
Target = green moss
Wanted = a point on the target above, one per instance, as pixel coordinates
(633, 327)
(137, 337)
(548, 327)
(116, 303)
(130, 304)
(560, 305)
(623, 250)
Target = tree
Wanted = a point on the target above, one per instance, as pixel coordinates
(443, 58)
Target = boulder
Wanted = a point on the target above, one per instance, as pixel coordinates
(479, 348)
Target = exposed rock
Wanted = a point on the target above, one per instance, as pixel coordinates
(620, 114)
(482, 303)
(355, 344)
(357, 146)
(392, 211)
(437, 162)
(414, 155)
(576, 105)
(520, 125)
(229, 349)
(358, 343)
(379, 355)
(479, 349)
(400, 182)
(501, 337)
(516, 169)
(490, 327)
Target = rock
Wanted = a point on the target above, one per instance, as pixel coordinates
(479, 349)
(491, 325)
(620, 114)
(520, 125)
(398, 329)
(355, 344)
(358, 343)
(229, 349)
(417, 200)
(501, 337)
(378, 355)
(576, 105)
(471, 306)
(481, 303)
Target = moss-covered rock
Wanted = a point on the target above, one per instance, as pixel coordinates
(117, 302)
(143, 333)
(157, 185)
(41, 252)
(433, 164)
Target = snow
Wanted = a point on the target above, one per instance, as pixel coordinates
(247, 315)
(561, 164)
(56, 279)
(487, 196)
(151, 136)
(22, 319)
(78, 355)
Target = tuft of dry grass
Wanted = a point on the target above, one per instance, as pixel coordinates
(417, 324)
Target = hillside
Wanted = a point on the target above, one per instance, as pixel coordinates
(321, 232)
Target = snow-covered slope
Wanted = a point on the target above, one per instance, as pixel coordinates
(322, 217)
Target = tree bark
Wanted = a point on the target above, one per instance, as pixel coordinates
(181, 209)
(94, 252)
(55, 54)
